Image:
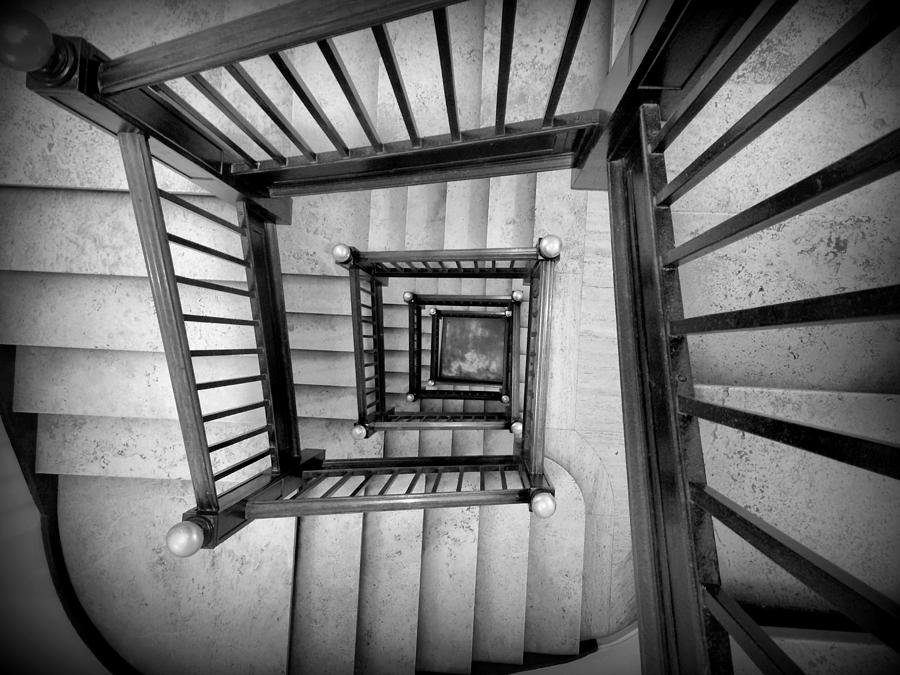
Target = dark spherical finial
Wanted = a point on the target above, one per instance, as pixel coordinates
(25, 41)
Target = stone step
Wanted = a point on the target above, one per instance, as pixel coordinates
(447, 590)
(140, 596)
(101, 383)
(133, 447)
(326, 594)
(389, 589)
(117, 313)
(501, 575)
(555, 559)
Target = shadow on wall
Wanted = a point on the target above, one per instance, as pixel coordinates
(36, 636)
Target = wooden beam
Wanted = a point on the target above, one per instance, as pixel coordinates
(507, 30)
(290, 25)
(177, 140)
(526, 147)
(445, 52)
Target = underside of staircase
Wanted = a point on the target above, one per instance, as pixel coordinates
(484, 589)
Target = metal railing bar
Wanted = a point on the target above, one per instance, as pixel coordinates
(214, 384)
(386, 49)
(200, 318)
(223, 352)
(412, 483)
(755, 642)
(187, 206)
(866, 165)
(459, 481)
(234, 468)
(249, 85)
(507, 30)
(237, 439)
(342, 75)
(868, 305)
(523, 476)
(865, 29)
(187, 281)
(362, 484)
(296, 83)
(187, 243)
(367, 503)
(878, 457)
(445, 53)
(372, 404)
(481, 474)
(241, 122)
(579, 13)
(471, 462)
(338, 484)
(188, 110)
(867, 607)
(390, 481)
(309, 486)
(437, 481)
(234, 411)
(758, 25)
(502, 479)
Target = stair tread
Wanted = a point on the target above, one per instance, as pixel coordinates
(389, 591)
(326, 594)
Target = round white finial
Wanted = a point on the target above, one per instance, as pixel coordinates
(410, 397)
(518, 296)
(185, 538)
(516, 428)
(504, 399)
(341, 253)
(430, 383)
(358, 432)
(543, 504)
(408, 296)
(432, 311)
(550, 246)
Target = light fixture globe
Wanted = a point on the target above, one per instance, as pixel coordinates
(430, 383)
(26, 43)
(543, 504)
(550, 246)
(408, 296)
(341, 253)
(507, 313)
(504, 399)
(185, 538)
(518, 296)
(358, 432)
(516, 428)
(432, 311)
(410, 397)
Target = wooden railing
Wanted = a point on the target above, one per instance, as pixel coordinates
(686, 617)
(279, 454)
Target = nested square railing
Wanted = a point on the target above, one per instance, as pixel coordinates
(516, 400)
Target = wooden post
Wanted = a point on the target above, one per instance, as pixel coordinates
(267, 302)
